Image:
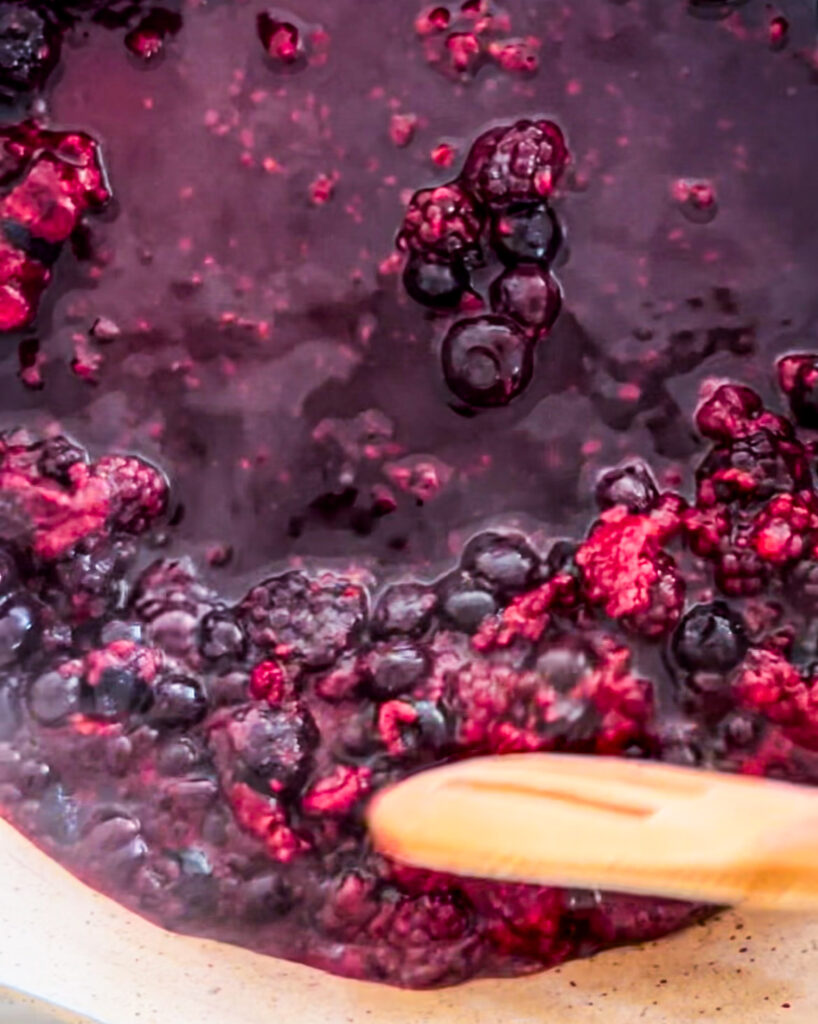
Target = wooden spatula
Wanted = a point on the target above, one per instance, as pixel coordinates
(608, 823)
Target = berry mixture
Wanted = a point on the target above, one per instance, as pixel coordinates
(313, 474)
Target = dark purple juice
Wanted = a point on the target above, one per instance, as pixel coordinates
(387, 384)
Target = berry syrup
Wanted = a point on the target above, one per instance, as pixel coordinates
(381, 391)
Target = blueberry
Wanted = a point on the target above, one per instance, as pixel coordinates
(9, 709)
(506, 562)
(563, 666)
(119, 692)
(526, 233)
(18, 628)
(437, 285)
(710, 638)
(29, 49)
(487, 361)
(196, 887)
(58, 816)
(631, 485)
(53, 696)
(220, 636)
(177, 701)
(528, 295)
(9, 570)
(464, 601)
(267, 897)
(404, 608)
(395, 668)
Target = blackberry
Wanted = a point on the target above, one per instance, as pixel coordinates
(266, 747)
(710, 638)
(487, 361)
(313, 620)
(518, 164)
(29, 49)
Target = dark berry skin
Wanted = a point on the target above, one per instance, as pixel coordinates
(221, 636)
(9, 571)
(395, 668)
(487, 361)
(437, 285)
(119, 693)
(505, 562)
(710, 638)
(54, 696)
(57, 456)
(404, 609)
(18, 629)
(526, 233)
(177, 702)
(29, 49)
(464, 602)
(528, 295)
(799, 378)
(631, 485)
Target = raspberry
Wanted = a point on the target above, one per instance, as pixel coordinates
(516, 164)
(147, 39)
(29, 49)
(619, 561)
(741, 572)
(528, 295)
(442, 223)
(22, 281)
(313, 620)
(338, 792)
(487, 361)
(665, 604)
(798, 377)
(768, 683)
(784, 529)
(263, 817)
(283, 41)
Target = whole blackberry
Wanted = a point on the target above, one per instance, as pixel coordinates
(442, 223)
(311, 619)
(521, 163)
(29, 49)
